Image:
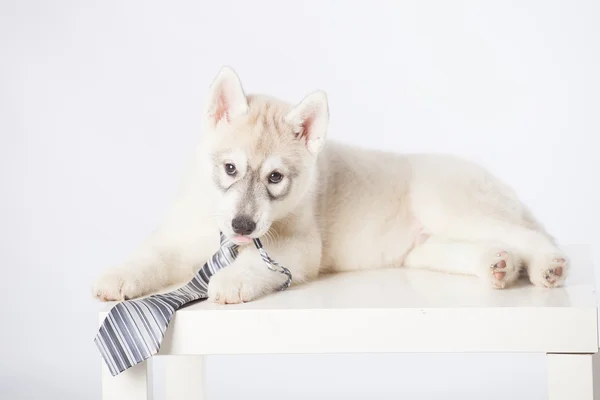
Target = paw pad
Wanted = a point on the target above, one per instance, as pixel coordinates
(556, 271)
(501, 269)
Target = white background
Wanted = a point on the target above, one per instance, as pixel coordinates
(100, 105)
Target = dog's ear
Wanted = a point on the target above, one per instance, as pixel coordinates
(226, 98)
(309, 120)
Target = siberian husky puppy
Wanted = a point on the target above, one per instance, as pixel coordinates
(263, 169)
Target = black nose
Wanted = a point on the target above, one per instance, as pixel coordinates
(243, 225)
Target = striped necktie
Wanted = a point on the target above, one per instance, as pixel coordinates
(134, 329)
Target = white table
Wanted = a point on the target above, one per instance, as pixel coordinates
(386, 311)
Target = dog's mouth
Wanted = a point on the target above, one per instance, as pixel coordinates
(241, 239)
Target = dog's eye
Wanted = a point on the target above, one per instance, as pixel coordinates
(275, 177)
(230, 169)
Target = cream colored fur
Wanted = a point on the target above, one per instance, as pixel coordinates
(337, 208)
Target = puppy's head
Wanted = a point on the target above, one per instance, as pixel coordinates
(263, 154)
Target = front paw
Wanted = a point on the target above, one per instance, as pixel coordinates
(234, 285)
(117, 285)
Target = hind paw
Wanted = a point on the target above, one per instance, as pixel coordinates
(501, 268)
(549, 271)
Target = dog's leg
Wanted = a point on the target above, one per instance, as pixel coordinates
(167, 257)
(497, 265)
(547, 265)
(147, 270)
(181, 244)
(248, 277)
